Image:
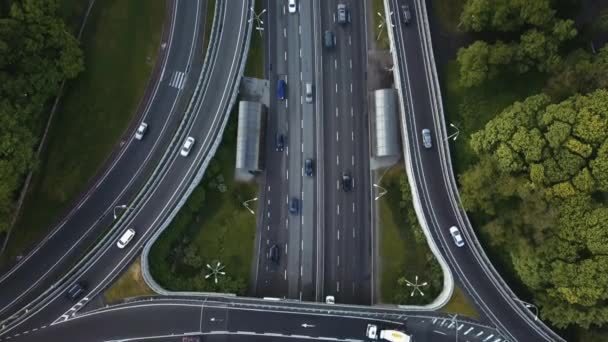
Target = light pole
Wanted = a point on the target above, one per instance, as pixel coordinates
(124, 206)
(383, 191)
(258, 21)
(455, 134)
(383, 23)
(416, 286)
(528, 306)
(246, 205)
(216, 270)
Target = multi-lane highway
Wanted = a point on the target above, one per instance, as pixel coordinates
(346, 220)
(290, 57)
(170, 320)
(179, 58)
(434, 181)
(205, 119)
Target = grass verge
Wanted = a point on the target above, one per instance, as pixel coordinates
(460, 304)
(212, 226)
(208, 23)
(255, 58)
(130, 284)
(120, 45)
(403, 249)
(382, 42)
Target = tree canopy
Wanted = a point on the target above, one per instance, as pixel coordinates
(542, 184)
(540, 36)
(37, 52)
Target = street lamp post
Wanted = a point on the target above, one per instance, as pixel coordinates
(383, 23)
(528, 306)
(258, 20)
(382, 193)
(123, 206)
(455, 134)
(246, 205)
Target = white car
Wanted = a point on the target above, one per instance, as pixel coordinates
(458, 240)
(330, 300)
(141, 130)
(126, 237)
(291, 6)
(187, 146)
(372, 331)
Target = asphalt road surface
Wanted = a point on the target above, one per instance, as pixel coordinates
(347, 220)
(205, 121)
(289, 40)
(169, 320)
(435, 194)
(126, 173)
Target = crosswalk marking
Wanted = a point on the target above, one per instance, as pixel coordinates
(177, 80)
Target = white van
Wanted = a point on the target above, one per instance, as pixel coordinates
(309, 92)
(125, 238)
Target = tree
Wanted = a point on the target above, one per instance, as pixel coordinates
(473, 60)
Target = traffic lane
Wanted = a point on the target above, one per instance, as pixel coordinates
(95, 212)
(470, 273)
(121, 323)
(111, 260)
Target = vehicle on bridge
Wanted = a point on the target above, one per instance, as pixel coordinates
(329, 39)
(281, 85)
(387, 335)
(343, 14)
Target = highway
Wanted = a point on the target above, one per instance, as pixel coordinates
(126, 171)
(164, 320)
(347, 218)
(155, 205)
(290, 57)
(435, 185)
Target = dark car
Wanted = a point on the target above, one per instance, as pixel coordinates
(308, 168)
(281, 85)
(294, 206)
(279, 142)
(329, 39)
(407, 15)
(76, 290)
(274, 253)
(347, 182)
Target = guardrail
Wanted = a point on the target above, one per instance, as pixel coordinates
(448, 278)
(146, 250)
(112, 235)
(450, 179)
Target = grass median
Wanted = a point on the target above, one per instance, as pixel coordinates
(380, 32)
(120, 45)
(130, 284)
(404, 253)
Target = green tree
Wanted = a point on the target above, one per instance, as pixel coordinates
(473, 61)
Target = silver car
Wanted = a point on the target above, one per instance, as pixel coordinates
(426, 138)
(141, 130)
(187, 146)
(458, 239)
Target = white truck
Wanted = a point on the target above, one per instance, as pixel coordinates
(387, 335)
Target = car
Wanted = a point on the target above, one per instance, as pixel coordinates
(329, 39)
(274, 253)
(76, 290)
(292, 6)
(372, 331)
(187, 147)
(126, 237)
(330, 300)
(141, 130)
(308, 168)
(308, 92)
(426, 138)
(347, 182)
(281, 85)
(343, 14)
(279, 142)
(406, 14)
(294, 206)
(458, 239)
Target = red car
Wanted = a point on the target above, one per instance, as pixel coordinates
(191, 339)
